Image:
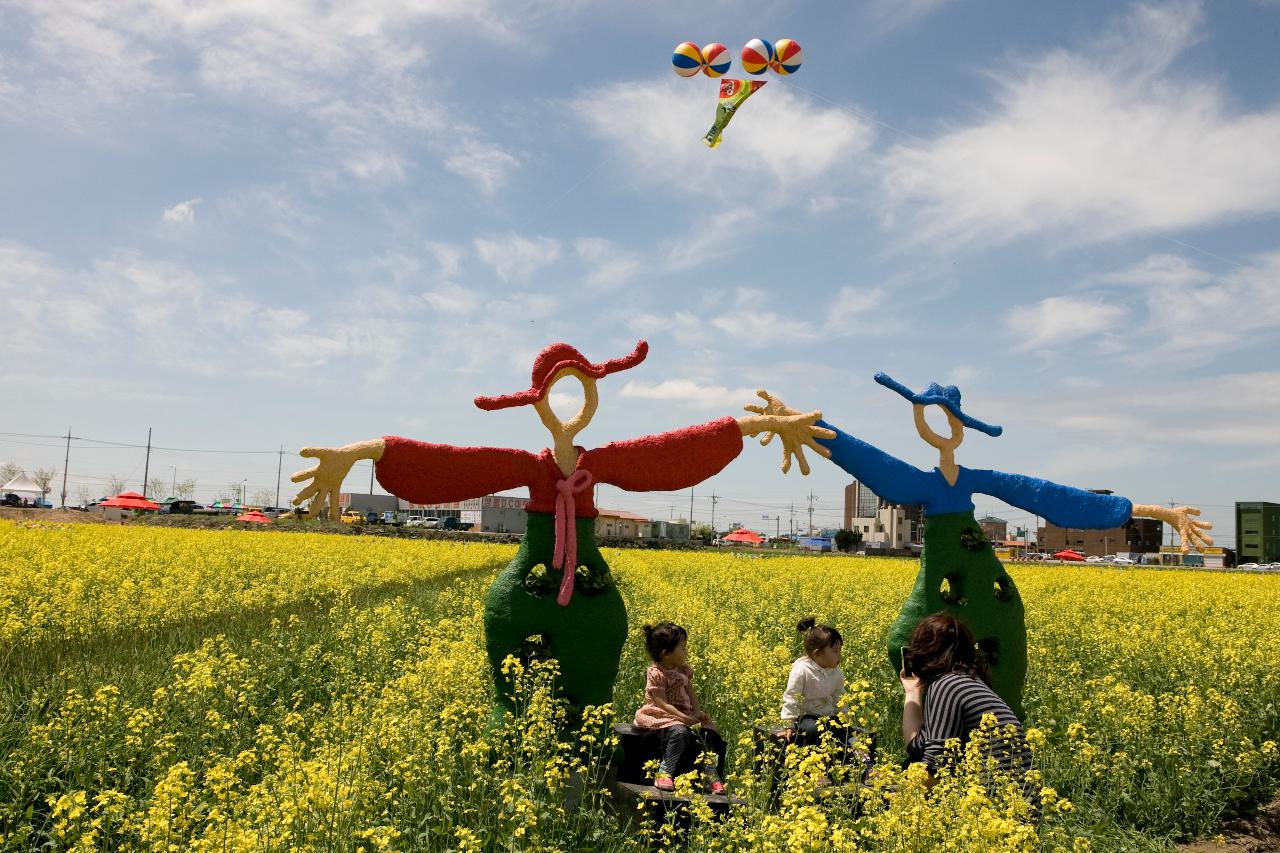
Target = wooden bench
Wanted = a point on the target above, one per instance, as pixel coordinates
(770, 745)
(633, 790)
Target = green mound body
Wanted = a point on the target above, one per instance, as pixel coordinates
(980, 593)
(585, 637)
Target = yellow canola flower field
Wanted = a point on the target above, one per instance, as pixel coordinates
(363, 722)
(78, 580)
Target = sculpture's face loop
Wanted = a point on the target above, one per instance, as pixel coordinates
(563, 431)
(935, 440)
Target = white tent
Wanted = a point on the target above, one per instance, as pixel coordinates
(23, 487)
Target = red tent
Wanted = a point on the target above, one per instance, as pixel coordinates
(254, 516)
(745, 536)
(130, 500)
(1070, 556)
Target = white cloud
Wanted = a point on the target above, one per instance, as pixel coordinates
(172, 318)
(516, 257)
(688, 392)
(1191, 314)
(450, 298)
(778, 137)
(1094, 144)
(889, 15)
(861, 309)
(1060, 320)
(348, 76)
(183, 211)
(608, 267)
(448, 256)
(483, 163)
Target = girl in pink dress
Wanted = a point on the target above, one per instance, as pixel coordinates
(671, 707)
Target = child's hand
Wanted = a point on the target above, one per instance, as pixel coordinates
(691, 720)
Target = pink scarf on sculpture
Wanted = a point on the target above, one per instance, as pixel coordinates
(565, 555)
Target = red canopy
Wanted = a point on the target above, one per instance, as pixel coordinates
(130, 500)
(1070, 556)
(749, 537)
(255, 516)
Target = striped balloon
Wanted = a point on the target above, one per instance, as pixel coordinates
(716, 58)
(687, 59)
(756, 56)
(788, 57)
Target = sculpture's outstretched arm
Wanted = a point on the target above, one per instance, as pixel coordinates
(797, 429)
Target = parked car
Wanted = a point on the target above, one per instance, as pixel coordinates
(1094, 559)
(1124, 561)
(352, 516)
(372, 517)
(452, 523)
(1108, 558)
(422, 521)
(10, 499)
(1249, 566)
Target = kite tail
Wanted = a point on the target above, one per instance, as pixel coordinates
(732, 94)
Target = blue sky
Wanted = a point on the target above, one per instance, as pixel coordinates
(254, 224)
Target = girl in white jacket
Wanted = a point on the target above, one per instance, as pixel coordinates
(815, 688)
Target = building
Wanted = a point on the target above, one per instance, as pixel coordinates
(881, 523)
(620, 524)
(489, 514)
(670, 530)
(995, 529)
(1257, 532)
(859, 502)
(368, 503)
(1135, 536)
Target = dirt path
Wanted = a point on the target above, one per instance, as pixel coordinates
(1260, 834)
(57, 516)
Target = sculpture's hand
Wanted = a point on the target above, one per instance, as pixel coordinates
(1191, 530)
(797, 429)
(326, 476)
(1181, 518)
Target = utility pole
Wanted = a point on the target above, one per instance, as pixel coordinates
(714, 501)
(279, 468)
(65, 461)
(173, 484)
(372, 465)
(146, 470)
(793, 520)
(811, 500)
(691, 507)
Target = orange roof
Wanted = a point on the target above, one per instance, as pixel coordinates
(623, 514)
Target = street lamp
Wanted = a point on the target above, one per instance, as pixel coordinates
(173, 483)
(243, 484)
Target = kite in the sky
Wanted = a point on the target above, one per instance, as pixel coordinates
(713, 60)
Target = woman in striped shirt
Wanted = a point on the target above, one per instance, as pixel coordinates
(948, 691)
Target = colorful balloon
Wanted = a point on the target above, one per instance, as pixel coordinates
(687, 59)
(716, 59)
(756, 56)
(787, 56)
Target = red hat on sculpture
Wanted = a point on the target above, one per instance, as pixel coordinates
(554, 359)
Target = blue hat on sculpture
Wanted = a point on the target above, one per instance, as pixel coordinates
(935, 394)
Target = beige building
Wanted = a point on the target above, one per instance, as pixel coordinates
(620, 524)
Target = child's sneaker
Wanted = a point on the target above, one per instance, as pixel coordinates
(664, 783)
(717, 787)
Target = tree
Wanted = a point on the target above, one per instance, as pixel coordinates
(263, 497)
(43, 477)
(848, 540)
(84, 493)
(703, 533)
(9, 470)
(115, 485)
(185, 490)
(156, 488)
